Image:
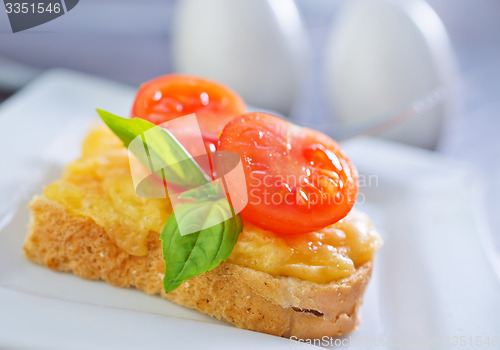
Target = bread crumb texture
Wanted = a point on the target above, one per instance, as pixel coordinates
(247, 298)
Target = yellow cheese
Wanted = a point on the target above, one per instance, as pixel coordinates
(99, 186)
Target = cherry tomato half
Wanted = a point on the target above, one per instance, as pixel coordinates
(298, 179)
(175, 95)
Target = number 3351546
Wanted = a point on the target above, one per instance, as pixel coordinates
(25, 7)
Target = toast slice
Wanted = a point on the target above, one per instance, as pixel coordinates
(250, 299)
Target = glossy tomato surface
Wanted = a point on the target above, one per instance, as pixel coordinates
(298, 179)
(175, 95)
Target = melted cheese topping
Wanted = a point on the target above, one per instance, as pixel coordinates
(99, 186)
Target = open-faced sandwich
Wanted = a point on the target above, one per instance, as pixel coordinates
(294, 261)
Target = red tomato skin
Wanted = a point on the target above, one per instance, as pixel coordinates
(285, 167)
(175, 95)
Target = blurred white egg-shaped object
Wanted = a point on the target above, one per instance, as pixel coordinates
(256, 47)
(383, 60)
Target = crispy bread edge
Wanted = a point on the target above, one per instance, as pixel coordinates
(250, 299)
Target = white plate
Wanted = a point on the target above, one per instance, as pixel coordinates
(432, 279)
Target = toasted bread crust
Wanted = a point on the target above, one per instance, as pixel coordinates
(250, 299)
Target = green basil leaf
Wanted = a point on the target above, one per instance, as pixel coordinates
(162, 147)
(193, 254)
(205, 193)
(188, 255)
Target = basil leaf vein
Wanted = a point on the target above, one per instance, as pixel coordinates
(193, 254)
